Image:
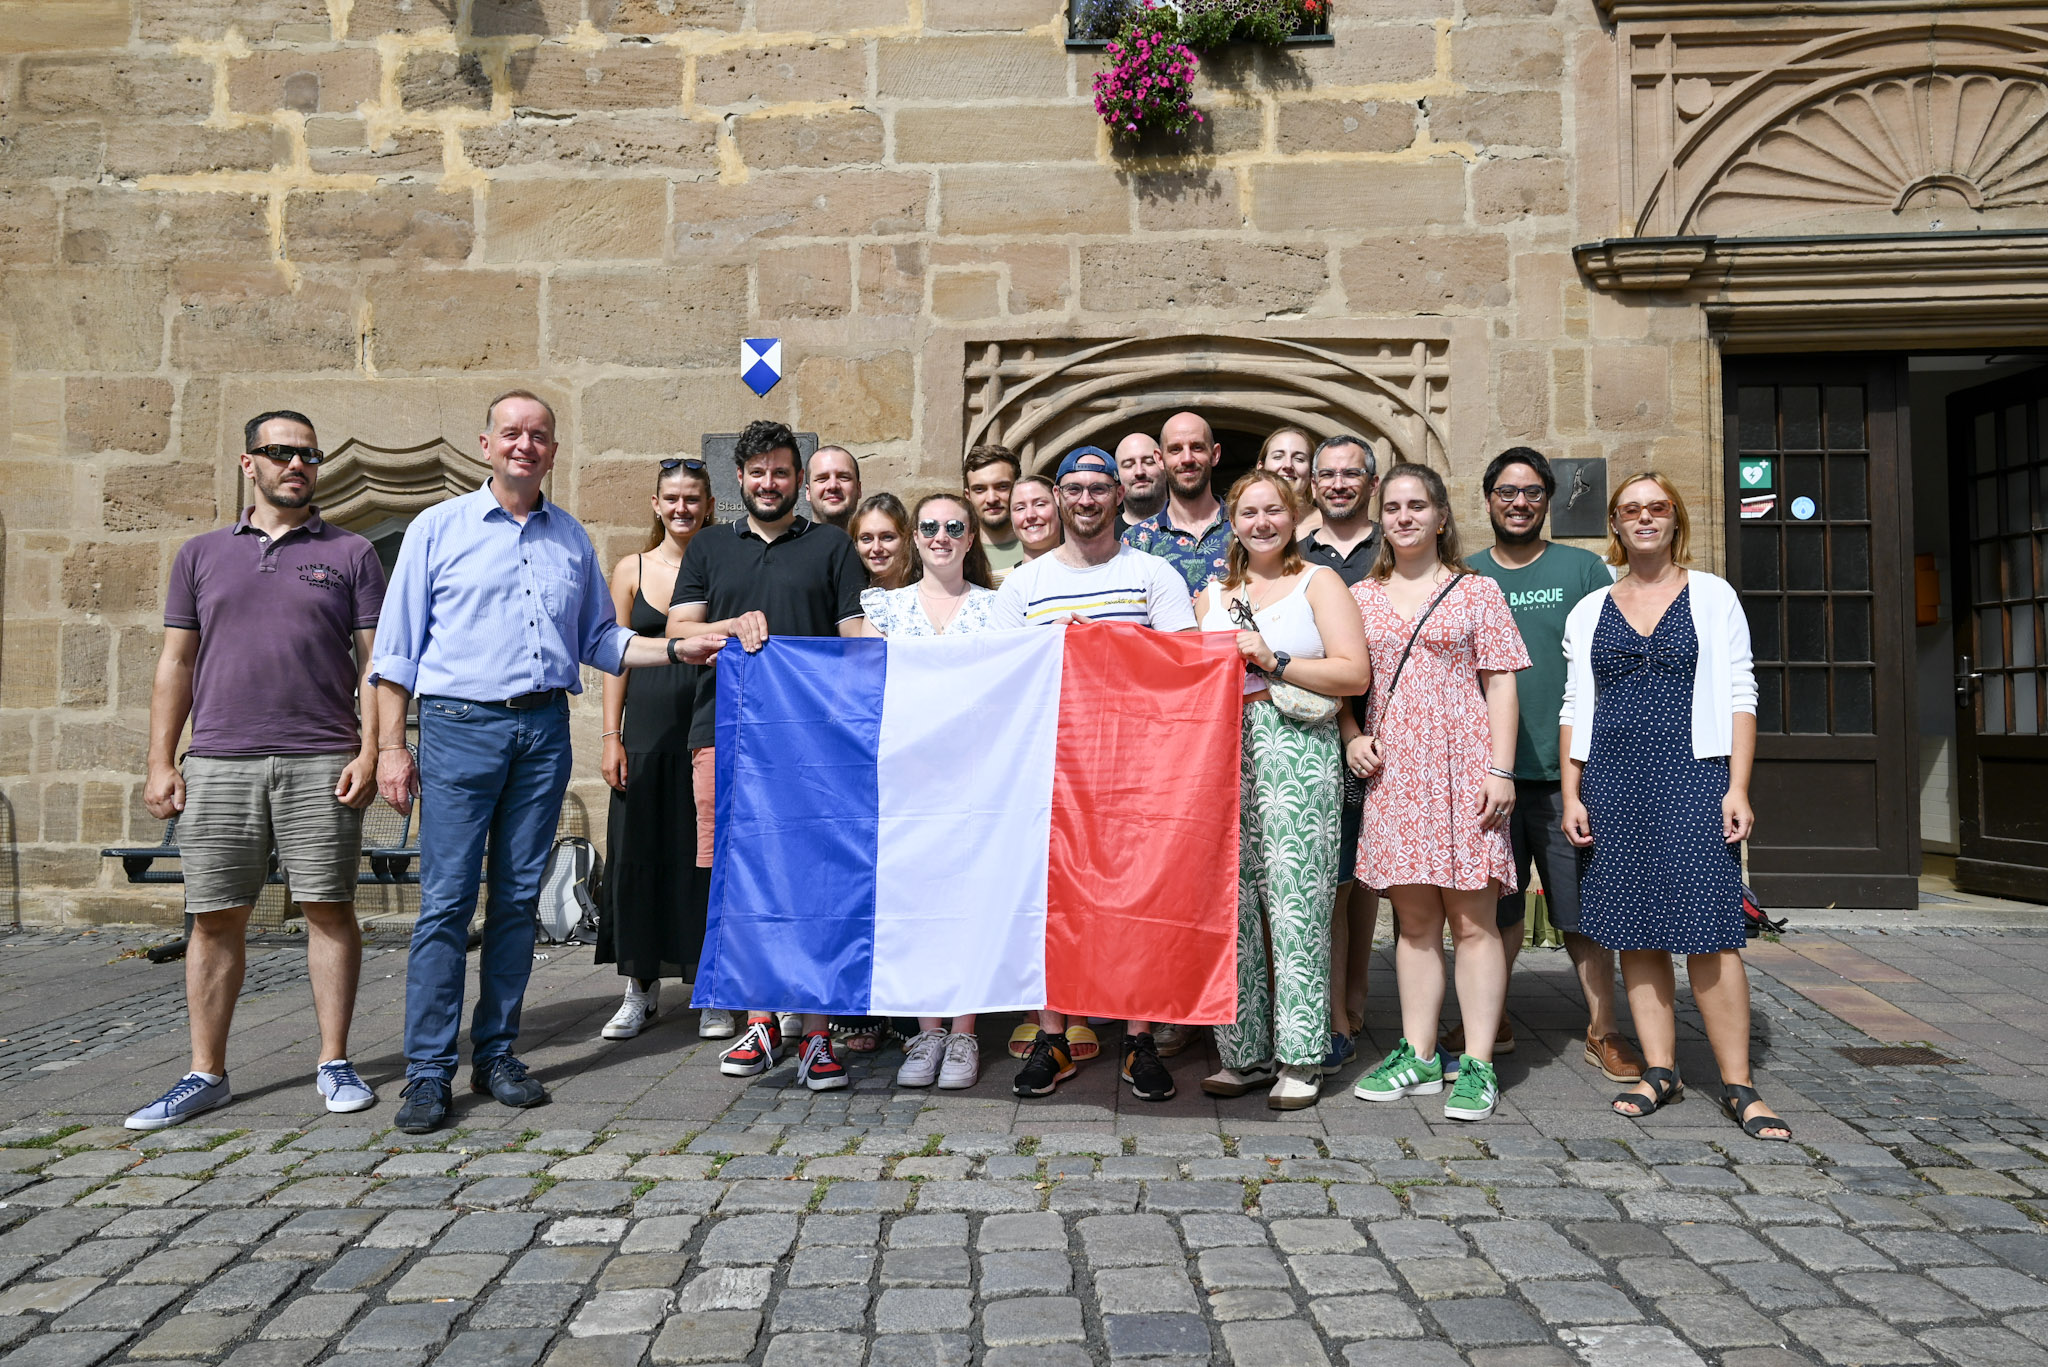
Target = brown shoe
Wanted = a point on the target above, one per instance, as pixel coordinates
(1615, 1057)
(1453, 1042)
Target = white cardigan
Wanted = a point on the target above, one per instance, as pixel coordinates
(1723, 685)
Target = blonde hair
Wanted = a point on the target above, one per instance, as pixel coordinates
(1237, 561)
(1447, 552)
(1681, 528)
(1266, 447)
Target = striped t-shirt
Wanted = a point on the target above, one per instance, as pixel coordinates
(1132, 587)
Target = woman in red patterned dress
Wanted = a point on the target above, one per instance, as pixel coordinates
(1438, 756)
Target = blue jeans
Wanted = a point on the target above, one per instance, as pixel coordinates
(487, 774)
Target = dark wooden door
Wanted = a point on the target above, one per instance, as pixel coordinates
(1822, 558)
(1997, 445)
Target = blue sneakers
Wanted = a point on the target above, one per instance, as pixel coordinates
(344, 1090)
(191, 1095)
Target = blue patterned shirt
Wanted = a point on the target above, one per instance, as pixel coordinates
(1196, 557)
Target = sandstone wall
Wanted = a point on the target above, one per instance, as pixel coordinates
(382, 211)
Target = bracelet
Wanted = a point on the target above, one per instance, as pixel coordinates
(1498, 772)
(382, 748)
(673, 642)
(602, 734)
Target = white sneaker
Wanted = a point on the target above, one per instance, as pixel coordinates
(1238, 1081)
(963, 1063)
(635, 1011)
(345, 1092)
(1298, 1087)
(715, 1024)
(188, 1096)
(921, 1059)
(790, 1024)
(1169, 1039)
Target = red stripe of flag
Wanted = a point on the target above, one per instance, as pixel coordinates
(1141, 916)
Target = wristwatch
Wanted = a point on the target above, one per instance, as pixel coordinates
(1281, 659)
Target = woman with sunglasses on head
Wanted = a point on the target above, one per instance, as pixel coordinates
(880, 528)
(949, 595)
(1035, 514)
(1298, 631)
(1658, 734)
(655, 890)
(1438, 757)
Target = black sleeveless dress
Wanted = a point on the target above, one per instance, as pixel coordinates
(652, 921)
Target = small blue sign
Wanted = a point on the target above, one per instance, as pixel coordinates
(1804, 508)
(761, 363)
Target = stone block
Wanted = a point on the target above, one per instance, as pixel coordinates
(193, 1335)
(1507, 191)
(1011, 1233)
(448, 1276)
(1631, 393)
(454, 320)
(1776, 1286)
(308, 83)
(1507, 54)
(1366, 1317)
(1066, 131)
(777, 16)
(825, 141)
(1032, 1320)
(139, 87)
(495, 1348)
(28, 226)
(1358, 196)
(1435, 1278)
(224, 316)
(1240, 277)
(1579, 1303)
(395, 221)
(135, 150)
(1485, 1322)
(126, 227)
(667, 16)
(859, 399)
(160, 497)
(679, 315)
(314, 1317)
(341, 144)
(1274, 1343)
(430, 80)
(904, 1311)
(804, 282)
(33, 150)
(1507, 118)
(404, 1328)
(563, 79)
(823, 72)
(798, 204)
(1368, 54)
(988, 15)
(967, 69)
(1345, 126)
(117, 415)
(1156, 1337)
(251, 1286)
(41, 25)
(519, 18)
(368, 18)
(1060, 200)
(258, 21)
(105, 576)
(1630, 1345)
(1719, 1322)
(554, 220)
(1845, 1337)
(611, 1313)
(633, 139)
(1426, 274)
(1527, 1248)
(707, 1336)
(962, 295)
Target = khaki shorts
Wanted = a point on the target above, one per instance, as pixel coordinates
(235, 809)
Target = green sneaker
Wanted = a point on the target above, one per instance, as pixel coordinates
(1401, 1074)
(1476, 1093)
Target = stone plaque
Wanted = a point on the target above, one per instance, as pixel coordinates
(725, 482)
(1580, 506)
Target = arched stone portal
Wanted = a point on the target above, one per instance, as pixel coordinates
(1043, 397)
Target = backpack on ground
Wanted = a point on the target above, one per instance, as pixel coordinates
(569, 892)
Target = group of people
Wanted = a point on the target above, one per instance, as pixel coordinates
(1416, 723)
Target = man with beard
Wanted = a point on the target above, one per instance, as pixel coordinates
(988, 473)
(1090, 577)
(1141, 469)
(496, 602)
(1192, 532)
(832, 484)
(772, 571)
(1543, 582)
(259, 620)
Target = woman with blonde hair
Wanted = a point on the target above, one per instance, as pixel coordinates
(1290, 453)
(1298, 632)
(1035, 513)
(1438, 756)
(1658, 735)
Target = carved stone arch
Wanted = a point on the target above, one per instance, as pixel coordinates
(1041, 398)
(364, 483)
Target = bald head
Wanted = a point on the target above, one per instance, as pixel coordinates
(1142, 471)
(1191, 453)
(1186, 427)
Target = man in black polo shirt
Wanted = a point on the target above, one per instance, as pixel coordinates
(1345, 476)
(772, 571)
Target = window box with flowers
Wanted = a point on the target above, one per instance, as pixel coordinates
(1146, 93)
(1203, 25)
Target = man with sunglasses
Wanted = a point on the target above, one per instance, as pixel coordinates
(1092, 577)
(1543, 582)
(259, 622)
(495, 604)
(832, 485)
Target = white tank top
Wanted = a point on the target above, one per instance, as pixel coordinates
(1289, 624)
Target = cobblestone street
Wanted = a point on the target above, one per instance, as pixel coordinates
(658, 1212)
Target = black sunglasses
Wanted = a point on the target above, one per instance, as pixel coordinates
(284, 455)
(695, 467)
(929, 528)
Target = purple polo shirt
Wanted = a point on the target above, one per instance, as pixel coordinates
(276, 621)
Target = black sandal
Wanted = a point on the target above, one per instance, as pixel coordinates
(1665, 1090)
(1736, 1099)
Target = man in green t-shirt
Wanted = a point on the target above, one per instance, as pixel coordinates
(1543, 582)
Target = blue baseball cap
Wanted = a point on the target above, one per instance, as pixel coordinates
(1089, 460)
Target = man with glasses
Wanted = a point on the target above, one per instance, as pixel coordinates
(832, 484)
(1141, 469)
(1344, 474)
(1191, 531)
(1090, 577)
(1543, 582)
(496, 602)
(259, 622)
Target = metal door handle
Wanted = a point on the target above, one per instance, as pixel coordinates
(1966, 681)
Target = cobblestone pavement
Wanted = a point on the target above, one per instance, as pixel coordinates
(657, 1212)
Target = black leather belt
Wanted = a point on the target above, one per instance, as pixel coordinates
(527, 702)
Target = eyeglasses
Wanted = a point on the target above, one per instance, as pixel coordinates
(1508, 493)
(1087, 491)
(1629, 512)
(929, 528)
(1241, 613)
(284, 455)
(1350, 474)
(695, 467)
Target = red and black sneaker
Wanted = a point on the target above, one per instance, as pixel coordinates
(753, 1052)
(817, 1067)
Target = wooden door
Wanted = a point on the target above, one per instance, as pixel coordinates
(1822, 558)
(1999, 534)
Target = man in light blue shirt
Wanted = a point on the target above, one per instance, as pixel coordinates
(496, 600)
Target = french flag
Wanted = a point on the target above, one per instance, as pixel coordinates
(931, 826)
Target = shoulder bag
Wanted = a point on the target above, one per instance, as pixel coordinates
(1295, 702)
(1414, 634)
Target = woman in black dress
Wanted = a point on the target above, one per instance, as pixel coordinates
(651, 923)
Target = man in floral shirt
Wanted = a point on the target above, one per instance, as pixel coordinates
(1192, 532)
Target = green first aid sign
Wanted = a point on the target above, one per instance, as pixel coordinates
(1753, 472)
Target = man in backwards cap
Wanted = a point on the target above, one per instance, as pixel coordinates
(1091, 577)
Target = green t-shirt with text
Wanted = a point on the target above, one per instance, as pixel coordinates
(1541, 596)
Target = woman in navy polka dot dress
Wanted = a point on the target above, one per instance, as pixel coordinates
(1659, 730)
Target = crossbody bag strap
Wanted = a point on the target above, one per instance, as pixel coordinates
(1415, 634)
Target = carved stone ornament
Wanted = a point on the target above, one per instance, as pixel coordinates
(1042, 398)
(362, 481)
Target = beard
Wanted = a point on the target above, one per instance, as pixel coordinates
(1086, 522)
(1189, 483)
(279, 497)
(768, 508)
(1508, 537)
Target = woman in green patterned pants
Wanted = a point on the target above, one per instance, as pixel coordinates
(1297, 628)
